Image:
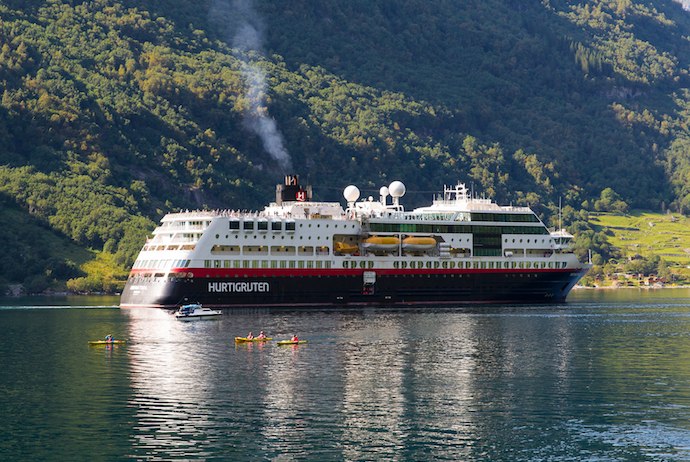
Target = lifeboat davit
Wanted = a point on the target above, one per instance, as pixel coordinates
(344, 247)
(382, 243)
(418, 244)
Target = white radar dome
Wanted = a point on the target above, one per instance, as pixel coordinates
(351, 193)
(397, 189)
(384, 191)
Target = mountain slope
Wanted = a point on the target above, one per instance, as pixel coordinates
(114, 112)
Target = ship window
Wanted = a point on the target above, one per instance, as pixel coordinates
(207, 263)
(226, 263)
(344, 264)
(428, 264)
(310, 264)
(229, 249)
(256, 250)
(264, 263)
(328, 264)
(283, 264)
(300, 264)
(248, 225)
(238, 264)
(282, 250)
(291, 263)
(290, 226)
(276, 226)
(234, 225)
(396, 265)
(305, 250)
(255, 263)
(245, 264)
(262, 226)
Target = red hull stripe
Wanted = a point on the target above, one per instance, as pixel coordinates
(287, 272)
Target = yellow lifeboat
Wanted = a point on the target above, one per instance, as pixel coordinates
(418, 244)
(344, 247)
(382, 243)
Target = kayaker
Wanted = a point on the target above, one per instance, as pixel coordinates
(109, 338)
(262, 335)
(294, 338)
(250, 336)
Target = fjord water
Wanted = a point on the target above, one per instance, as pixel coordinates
(603, 377)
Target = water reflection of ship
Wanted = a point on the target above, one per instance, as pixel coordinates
(173, 377)
(397, 382)
(380, 384)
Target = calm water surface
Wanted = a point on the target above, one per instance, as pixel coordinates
(605, 377)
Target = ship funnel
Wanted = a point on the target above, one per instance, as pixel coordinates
(291, 191)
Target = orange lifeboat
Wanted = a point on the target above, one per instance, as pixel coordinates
(382, 243)
(345, 248)
(418, 244)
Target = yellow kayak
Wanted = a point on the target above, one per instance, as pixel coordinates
(246, 340)
(106, 342)
(291, 342)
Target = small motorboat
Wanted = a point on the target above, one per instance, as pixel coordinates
(195, 311)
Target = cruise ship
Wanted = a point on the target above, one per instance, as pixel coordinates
(300, 252)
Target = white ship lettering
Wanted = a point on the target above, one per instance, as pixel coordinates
(239, 287)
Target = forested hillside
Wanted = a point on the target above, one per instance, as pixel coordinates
(116, 111)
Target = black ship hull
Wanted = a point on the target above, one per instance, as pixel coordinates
(245, 288)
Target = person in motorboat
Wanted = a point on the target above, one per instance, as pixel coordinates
(250, 336)
(261, 335)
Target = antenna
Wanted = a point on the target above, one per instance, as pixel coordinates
(560, 214)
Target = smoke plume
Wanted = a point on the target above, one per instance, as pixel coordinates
(244, 32)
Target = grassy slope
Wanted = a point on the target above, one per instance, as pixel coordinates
(647, 234)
